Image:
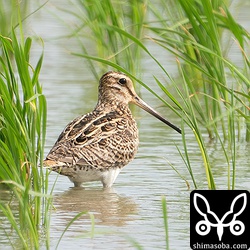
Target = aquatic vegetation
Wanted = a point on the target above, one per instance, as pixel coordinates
(96, 20)
(211, 91)
(10, 13)
(23, 114)
(210, 94)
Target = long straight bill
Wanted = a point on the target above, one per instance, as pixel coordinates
(139, 102)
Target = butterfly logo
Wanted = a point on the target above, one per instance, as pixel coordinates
(203, 227)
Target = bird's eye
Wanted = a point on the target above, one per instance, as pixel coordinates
(122, 81)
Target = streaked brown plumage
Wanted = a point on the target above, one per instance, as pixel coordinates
(96, 146)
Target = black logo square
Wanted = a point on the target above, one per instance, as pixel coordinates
(219, 219)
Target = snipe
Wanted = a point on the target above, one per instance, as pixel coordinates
(96, 146)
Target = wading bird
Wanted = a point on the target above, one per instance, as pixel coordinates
(96, 146)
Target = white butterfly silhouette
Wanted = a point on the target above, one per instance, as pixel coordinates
(203, 227)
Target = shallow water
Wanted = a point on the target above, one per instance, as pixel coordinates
(130, 211)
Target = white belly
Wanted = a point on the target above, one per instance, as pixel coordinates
(107, 177)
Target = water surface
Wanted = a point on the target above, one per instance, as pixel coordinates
(130, 211)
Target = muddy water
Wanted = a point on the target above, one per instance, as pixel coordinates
(130, 212)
